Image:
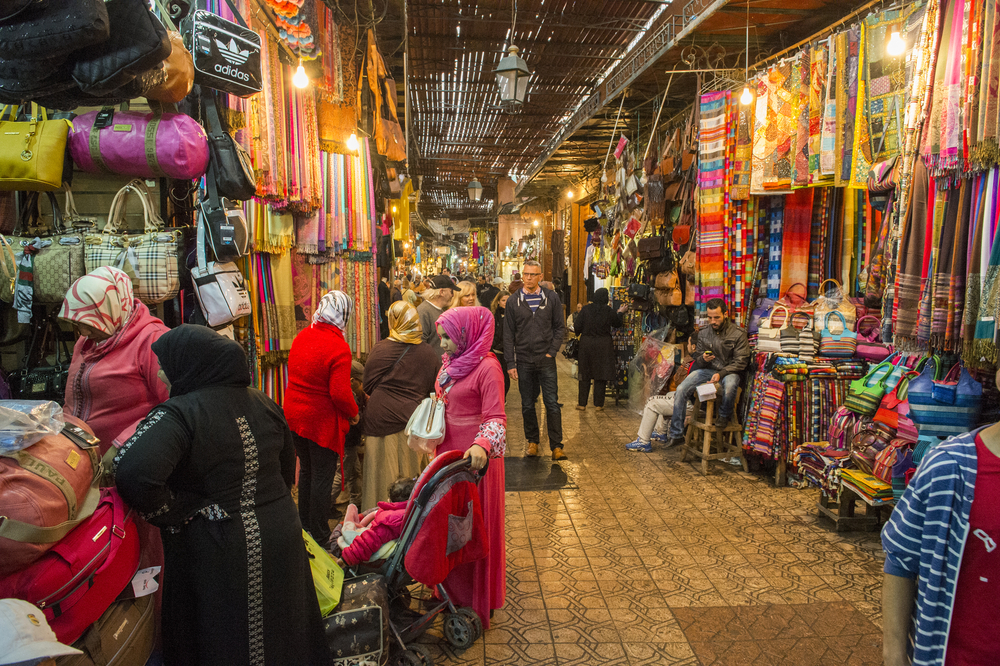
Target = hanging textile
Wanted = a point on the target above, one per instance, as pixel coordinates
(796, 233)
(861, 160)
(828, 137)
(886, 77)
(817, 241)
(942, 138)
(712, 197)
(801, 94)
(776, 213)
(742, 163)
(818, 67)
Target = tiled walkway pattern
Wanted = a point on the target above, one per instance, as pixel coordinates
(639, 559)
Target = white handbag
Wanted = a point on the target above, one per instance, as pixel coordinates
(425, 429)
(219, 286)
(768, 337)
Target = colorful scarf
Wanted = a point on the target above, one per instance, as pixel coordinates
(973, 288)
(800, 147)
(782, 121)
(829, 134)
(471, 329)
(910, 277)
(942, 142)
(102, 299)
(404, 323)
(817, 96)
(334, 308)
(959, 266)
(817, 241)
(712, 199)
(739, 189)
(990, 84)
(796, 239)
(776, 213)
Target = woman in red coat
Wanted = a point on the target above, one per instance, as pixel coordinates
(320, 407)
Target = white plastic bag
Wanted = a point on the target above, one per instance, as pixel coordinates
(24, 422)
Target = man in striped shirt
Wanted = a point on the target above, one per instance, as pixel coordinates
(941, 593)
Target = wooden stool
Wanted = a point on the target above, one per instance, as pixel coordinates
(725, 440)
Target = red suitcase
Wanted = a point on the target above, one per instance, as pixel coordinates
(79, 577)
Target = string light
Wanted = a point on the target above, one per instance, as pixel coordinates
(301, 79)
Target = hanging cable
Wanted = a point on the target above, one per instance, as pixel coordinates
(614, 131)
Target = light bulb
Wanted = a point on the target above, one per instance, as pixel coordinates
(604, 179)
(393, 209)
(896, 45)
(536, 223)
(644, 179)
(301, 79)
(569, 194)
(352, 142)
(747, 96)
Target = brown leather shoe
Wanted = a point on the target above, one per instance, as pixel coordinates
(599, 409)
(581, 407)
(532, 451)
(557, 453)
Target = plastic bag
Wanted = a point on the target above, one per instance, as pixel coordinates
(328, 577)
(24, 422)
(651, 368)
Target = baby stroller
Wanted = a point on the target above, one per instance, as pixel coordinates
(443, 529)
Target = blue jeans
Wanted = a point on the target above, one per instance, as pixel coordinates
(532, 377)
(686, 392)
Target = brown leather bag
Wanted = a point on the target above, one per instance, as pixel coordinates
(179, 67)
(45, 491)
(668, 290)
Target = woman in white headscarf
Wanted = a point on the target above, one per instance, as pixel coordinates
(320, 407)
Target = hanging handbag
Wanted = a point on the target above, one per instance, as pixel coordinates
(791, 336)
(150, 257)
(870, 345)
(219, 286)
(159, 144)
(232, 169)
(425, 429)
(137, 42)
(837, 345)
(886, 460)
(179, 71)
(32, 30)
(942, 408)
(43, 382)
(32, 151)
(768, 336)
(836, 301)
(808, 339)
(652, 247)
(59, 257)
(8, 271)
(226, 54)
(865, 394)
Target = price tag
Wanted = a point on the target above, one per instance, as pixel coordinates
(144, 582)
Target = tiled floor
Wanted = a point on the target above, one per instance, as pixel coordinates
(638, 559)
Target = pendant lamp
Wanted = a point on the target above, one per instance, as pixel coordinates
(512, 73)
(475, 190)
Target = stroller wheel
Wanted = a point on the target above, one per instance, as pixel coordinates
(461, 629)
(415, 655)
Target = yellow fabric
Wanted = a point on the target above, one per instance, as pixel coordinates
(401, 216)
(284, 298)
(404, 323)
(279, 234)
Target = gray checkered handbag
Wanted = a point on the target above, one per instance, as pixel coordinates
(150, 258)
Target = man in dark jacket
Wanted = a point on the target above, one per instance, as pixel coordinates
(533, 333)
(722, 355)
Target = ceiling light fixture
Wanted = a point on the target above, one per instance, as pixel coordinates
(475, 190)
(512, 73)
(301, 79)
(569, 194)
(747, 96)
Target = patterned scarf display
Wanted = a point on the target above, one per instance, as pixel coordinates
(886, 84)
(818, 67)
(828, 135)
(910, 274)
(943, 135)
(739, 189)
(712, 197)
(796, 235)
(800, 148)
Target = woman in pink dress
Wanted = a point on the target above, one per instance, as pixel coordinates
(475, 422)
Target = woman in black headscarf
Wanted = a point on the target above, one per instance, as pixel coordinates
(597, 353)
(212, 467)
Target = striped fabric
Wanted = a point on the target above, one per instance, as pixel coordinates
(925, 537)
(712, 196)
(943, 408)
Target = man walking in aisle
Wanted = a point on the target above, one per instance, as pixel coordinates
(436, 299)
(722, 354)
(533, 333)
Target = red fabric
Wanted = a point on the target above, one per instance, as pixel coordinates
(973, 638)
(386, 526)
(319, 401)
(114, 387)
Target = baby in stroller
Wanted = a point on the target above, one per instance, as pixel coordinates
(371, 536)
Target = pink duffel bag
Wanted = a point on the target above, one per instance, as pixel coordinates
(143, 145)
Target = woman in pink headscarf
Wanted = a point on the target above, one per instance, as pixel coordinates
(475, 422)
(113, 382)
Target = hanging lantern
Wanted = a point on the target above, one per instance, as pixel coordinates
(512, 77)
(475, 190)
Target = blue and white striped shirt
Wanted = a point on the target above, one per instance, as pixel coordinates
(925, 539)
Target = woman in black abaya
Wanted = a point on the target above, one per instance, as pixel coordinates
(212, 467)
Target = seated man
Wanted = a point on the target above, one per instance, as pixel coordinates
(660, 408)
(723, 352)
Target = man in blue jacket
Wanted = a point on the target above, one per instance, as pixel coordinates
(533, 333)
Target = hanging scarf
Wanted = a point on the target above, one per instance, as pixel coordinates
(973, 288)
(828, 134)
(335, 308)
(984, 345)
(24, 291)
(943, 135)
(990, 82)
(800, 136)
(471, 329)
(910, 274)
(102, 299)
(404, 323)
(959, 266)
(817, 88)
